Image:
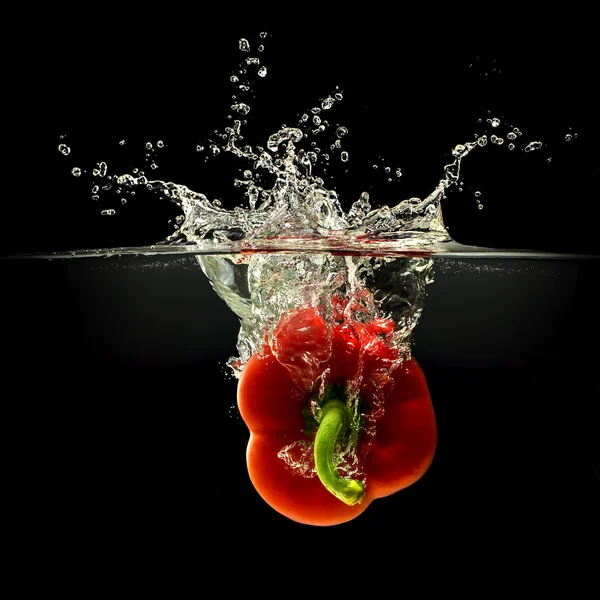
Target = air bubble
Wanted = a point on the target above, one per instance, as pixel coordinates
(154, 166)
(482, 141)
(338, 96)
(477, 194)
(234, 79)
(344, 156)
(496, 140)
(160, 144)
(248, 174)
(511, 135)
(387, 169)
(341, 132)
(398, 172)
(244, 45)
(95, 197)
(76, 172)
(261, 48)
(511, 146)
(262, 72)
(123, 200)
(316, 120)
(64, 149)
(263, 34)
(199, 148)
(149, 145)
(480, 206)
(568, 137)
(495, 122)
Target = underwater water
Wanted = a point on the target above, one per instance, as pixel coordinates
(131, 415)
(131, 432)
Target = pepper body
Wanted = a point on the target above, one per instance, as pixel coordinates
(275, 388)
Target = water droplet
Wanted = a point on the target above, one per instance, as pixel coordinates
(568, 137)
(511, 146)
(495, 122)
(244, 45)
(149, 145)
(64, 149)
(262, 72)
(341, 132)
(76, 172)
(482, 141)
(160, 144)
(344, 156)
(241, 108)
(533, 146)
(459, 151)
(327, 103)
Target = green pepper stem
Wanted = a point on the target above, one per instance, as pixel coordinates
(334, 422)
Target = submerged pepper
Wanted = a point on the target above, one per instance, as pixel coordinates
(336, 420)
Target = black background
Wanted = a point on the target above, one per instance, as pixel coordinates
(128, 450)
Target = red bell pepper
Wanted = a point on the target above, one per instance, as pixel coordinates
(336, 420)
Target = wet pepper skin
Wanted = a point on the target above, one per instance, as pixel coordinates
(276, 385)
